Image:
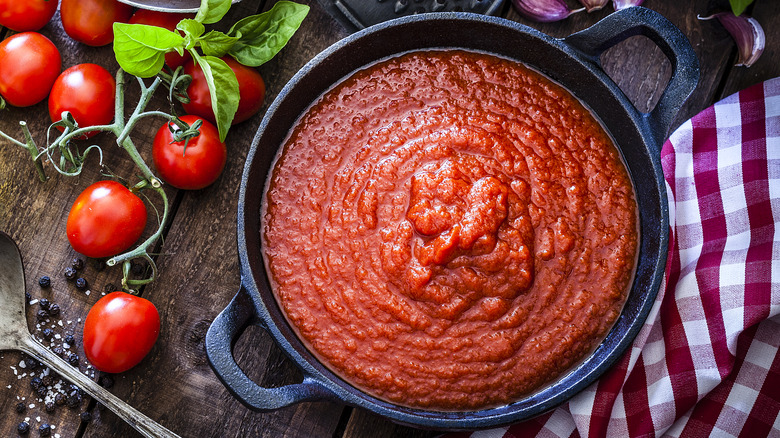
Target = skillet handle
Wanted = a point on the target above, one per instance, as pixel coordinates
(638, 20)
(220, 339)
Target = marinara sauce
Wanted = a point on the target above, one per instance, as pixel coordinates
(449, 230)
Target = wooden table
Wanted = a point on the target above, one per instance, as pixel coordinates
(198, 263)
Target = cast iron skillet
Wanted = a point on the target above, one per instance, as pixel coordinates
(573, 62)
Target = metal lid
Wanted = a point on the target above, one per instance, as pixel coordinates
(167, 5)
(359, 14)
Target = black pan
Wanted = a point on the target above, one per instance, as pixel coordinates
(572, 62)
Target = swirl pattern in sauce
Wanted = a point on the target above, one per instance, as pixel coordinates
(449, 230)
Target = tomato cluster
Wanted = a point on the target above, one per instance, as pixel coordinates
(107, 218)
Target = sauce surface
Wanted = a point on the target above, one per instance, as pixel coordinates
(449, 230)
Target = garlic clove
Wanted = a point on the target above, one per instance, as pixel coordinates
(622, 4)
(747, 33)
(594, 5)
(544, 11)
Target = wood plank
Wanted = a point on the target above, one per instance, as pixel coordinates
(34, 214)
(198, 277)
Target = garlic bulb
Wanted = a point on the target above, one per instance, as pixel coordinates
(622, 4)
(544, 10)
(747, 33)
(593, 5)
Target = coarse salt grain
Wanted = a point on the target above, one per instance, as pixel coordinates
(35, 301)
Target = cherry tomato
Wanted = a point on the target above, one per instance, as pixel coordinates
(92, 21)
(194, 167)
(29, 65)
(251, 89)
(168, 21)
(105, 220)
(88, 92)
(119, 331)
(26, 15)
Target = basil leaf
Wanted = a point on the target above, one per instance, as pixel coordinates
(739, 6)
(261, 37)
(192, 31)
(216, 43)
(140, 49)
(211, 11)
(223, 87)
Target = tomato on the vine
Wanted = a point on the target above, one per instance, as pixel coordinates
(251, 89)
(29, 65)
(92, 21)
(192, 165)
(105, 220)
(119, 331)
(88, 91)
(166, 20)
(26, 15)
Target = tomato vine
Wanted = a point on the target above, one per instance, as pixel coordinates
(257, 39)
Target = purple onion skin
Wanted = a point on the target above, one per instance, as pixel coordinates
(543, 11)
(623, 4)
(594, 5)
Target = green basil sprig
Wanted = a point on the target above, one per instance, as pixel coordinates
(140, 49)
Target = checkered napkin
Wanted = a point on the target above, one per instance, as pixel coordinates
(706, 362)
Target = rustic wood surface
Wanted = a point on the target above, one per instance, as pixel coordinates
(199, 263)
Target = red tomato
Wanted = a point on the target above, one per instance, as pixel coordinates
(88, 92)
(119, 331)
(195, 167)
(26, 15)
(251, 89)
(92, 21)
(166, 21)
(105, 220)
(29, 65)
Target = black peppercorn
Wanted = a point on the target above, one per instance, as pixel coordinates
(73, 359)
(48, 333)
(41, 391)
(44, 303)
(21, 407)
(49, 407)
(54, 309)
(31, 363)
(70, 273)
(81, 283)
(27, 297)
(58, 350)
(70, 339)
(44, 281)
(23, 428)
(109, 288)
(77, 264)
(86, 417)
(106, 381)
(41, 315)
(73, 400)
(47, 380)
(45, 429)
(35, 383)
(59, 399)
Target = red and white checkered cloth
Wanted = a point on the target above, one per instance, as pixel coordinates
(706, 362)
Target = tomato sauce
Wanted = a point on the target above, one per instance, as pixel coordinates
(449, 230)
